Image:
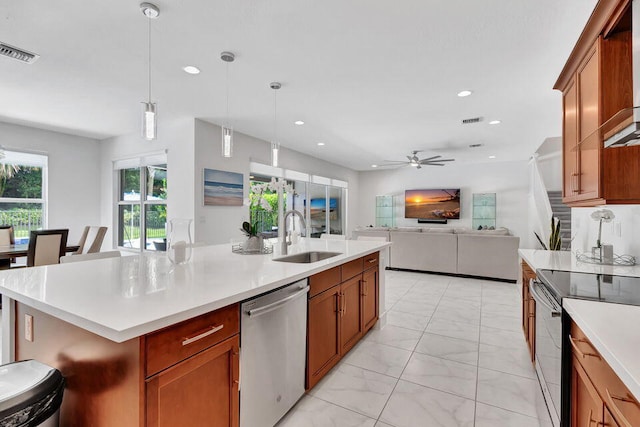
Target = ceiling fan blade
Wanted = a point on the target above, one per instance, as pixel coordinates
(410, 158)
(434, 164)
(425, 162)
(429, 158)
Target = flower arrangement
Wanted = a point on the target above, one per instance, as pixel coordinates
(602, 215)
(264, 196)
(274, 185)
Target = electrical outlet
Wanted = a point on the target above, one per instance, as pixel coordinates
(28, 327)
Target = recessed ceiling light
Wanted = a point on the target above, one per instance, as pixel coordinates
(492, 157)
(190, 69)
(299, 122)
(374, 166)
(495, 122)
(320, 144)
(464, 93)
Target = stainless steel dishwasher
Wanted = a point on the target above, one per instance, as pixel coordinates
(273, 342)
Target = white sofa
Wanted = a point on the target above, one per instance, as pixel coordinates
(481, 253)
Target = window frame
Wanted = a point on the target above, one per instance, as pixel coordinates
(142, 164)
(33, 160)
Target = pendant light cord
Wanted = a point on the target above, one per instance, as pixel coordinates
(227, 94)
(149, 29)
(275, 116)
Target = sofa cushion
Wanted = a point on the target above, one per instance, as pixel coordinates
(488, 255)
(438, 230)
(407, 229)
(424, 251)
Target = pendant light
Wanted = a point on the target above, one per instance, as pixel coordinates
(275, 145)
(227, 131)
(149, 118)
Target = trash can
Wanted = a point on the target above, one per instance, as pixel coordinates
(30, 394)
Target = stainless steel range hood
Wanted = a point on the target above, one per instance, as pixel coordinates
(630, 134)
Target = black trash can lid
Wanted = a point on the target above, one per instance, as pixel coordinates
(26, 383)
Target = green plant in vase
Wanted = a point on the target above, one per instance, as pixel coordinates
(555, 242)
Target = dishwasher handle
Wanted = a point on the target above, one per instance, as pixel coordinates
(274, 305)
(539, 300)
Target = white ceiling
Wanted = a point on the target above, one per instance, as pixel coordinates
(372, 79)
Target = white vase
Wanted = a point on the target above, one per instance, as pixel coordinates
(179, 244)
(254, 244)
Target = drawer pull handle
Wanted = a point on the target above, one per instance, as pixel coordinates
(372, 260)
(616, 411)
(211, 330)
(575, 347)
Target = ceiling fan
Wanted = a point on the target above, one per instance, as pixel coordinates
(416, 162)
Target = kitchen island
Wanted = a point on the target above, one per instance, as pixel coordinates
(109, 324)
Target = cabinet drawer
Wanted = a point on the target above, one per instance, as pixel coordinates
(169, 346)
(371, 260)
(623, 406)
(324, 280)
(352, 269)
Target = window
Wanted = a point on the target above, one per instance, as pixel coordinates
(142, 204)
(22, 192)
(322, 201)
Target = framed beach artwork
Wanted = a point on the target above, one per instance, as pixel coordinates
(223, 188)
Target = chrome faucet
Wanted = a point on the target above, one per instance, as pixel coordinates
(284, 244)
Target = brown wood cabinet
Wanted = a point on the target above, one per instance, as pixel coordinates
(199, 391)
(528, 310)
(185, 374)
(323, 336)
(596, 85)
(343, 305)
(370, 295)
(598, 396)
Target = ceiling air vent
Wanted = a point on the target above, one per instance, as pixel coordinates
(19, 54)
(472, 120)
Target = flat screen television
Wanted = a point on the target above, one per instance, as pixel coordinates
(432, 204)
(319, 207)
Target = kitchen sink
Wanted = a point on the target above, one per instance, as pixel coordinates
(307, 257)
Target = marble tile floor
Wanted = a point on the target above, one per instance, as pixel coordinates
(452, 354)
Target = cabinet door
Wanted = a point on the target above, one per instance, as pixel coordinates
(586, 406)
(589, 121)
(199, 391)
(369, 298)
(323, 337)
(609, 421)
(351, 315)
(570, 142)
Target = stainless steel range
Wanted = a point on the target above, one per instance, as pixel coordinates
(553, 352)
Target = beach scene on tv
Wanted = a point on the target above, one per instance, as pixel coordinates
(432, 204)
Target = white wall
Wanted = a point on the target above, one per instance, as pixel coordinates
(175, 137)
(73, 181)
(219, 224)
(508, 179)
(622, 232)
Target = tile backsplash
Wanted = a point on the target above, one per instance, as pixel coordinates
(623, 232)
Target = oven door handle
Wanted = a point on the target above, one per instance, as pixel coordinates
(539, 300)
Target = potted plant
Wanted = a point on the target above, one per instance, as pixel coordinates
(254, 242)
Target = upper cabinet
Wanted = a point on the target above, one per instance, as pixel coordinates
(596, 84)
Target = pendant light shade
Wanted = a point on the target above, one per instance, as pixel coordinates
(149, 111)
(227, 142)
(275, 151)
(227, 131)
(149, 122)
(275, 145)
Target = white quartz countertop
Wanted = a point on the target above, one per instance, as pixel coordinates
(611, 329)
(566, 261)
(123, 298)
